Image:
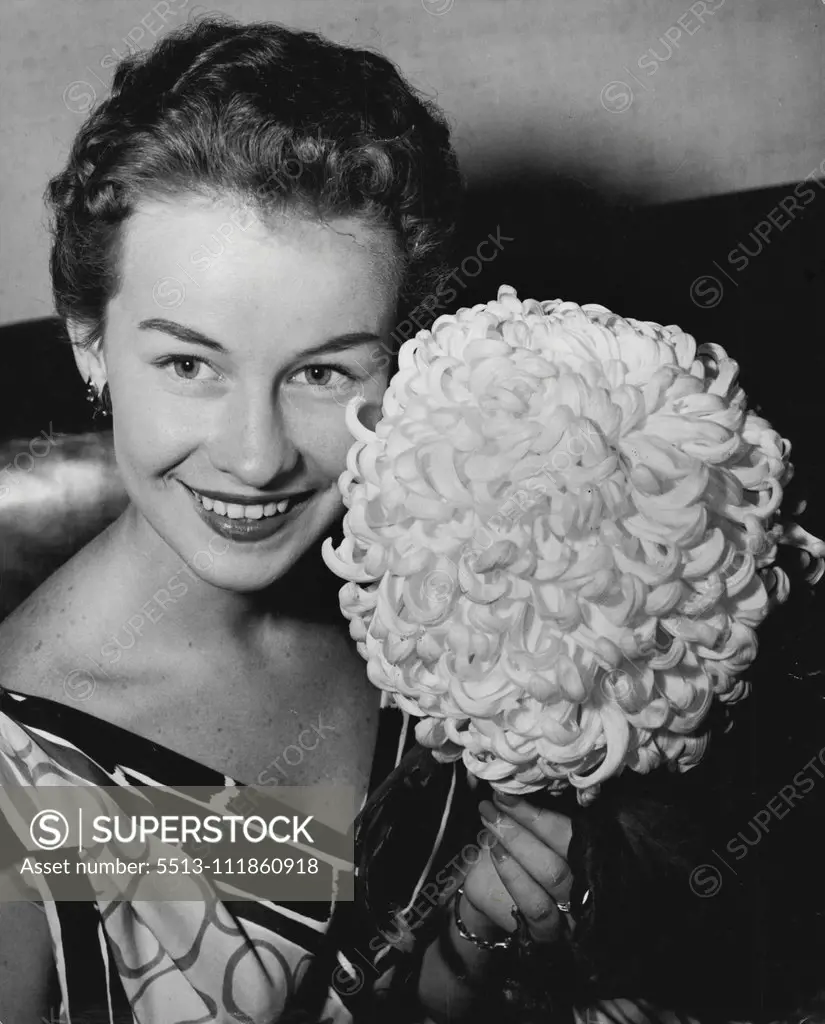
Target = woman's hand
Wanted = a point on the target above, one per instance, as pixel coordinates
(526, 868)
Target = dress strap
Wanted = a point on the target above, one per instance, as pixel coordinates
(396, 737)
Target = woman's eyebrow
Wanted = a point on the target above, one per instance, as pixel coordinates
(194, 337)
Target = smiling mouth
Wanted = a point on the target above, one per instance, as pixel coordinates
(250, 512)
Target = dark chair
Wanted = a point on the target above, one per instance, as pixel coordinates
(43, 385)
(59, 485)
(56, 493)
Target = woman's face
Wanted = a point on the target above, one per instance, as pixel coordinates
(231, 351)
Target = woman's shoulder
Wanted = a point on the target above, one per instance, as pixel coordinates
(48, 639)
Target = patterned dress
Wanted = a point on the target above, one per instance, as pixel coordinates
(224, 961)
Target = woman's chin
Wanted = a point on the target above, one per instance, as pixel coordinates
(238, 575)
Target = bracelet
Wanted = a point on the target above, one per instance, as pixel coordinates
(468, 935)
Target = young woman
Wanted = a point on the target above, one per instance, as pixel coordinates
(236, 233)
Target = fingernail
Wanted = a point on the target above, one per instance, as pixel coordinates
(497, 852)
(487, 811)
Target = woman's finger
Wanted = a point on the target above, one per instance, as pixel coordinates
(544, 920)
(484, 889)
(549, 870)
(553, 829)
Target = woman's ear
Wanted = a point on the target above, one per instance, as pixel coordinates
(90, 360)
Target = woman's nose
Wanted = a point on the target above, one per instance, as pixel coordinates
(251, 442)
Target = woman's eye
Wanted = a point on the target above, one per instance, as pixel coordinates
(322, 375)
(186, 367)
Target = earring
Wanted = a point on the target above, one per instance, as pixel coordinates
(100, 402)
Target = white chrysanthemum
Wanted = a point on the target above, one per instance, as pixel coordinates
(560, 539)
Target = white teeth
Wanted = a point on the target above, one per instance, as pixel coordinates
(235, 511)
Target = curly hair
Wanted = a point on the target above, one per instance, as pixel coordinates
(279, 119)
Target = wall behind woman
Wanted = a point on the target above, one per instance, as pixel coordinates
(649, 99)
